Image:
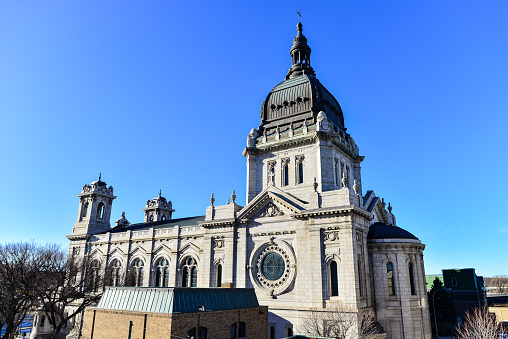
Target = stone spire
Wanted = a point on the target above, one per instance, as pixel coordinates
(300, 55)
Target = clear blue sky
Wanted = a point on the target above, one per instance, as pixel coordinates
(162, 94)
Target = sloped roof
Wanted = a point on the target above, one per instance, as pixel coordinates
(176, 299)
(380, 230)
(189, 221)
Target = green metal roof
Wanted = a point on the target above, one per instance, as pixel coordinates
(176, 299)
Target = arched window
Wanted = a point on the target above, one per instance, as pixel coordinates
(163, 218)
(162, 273)
(94, 275)
(290, 332)
(218, 275)
(116, 272)
(272, 332)
(390, 278)
(137, 273)
(300, 172)
(334, 279)
(285, 175)
(151, 217)
(360, 274)
(189, 273)
(412, 279)
(100, 211)
(85, 210)
(337, 173)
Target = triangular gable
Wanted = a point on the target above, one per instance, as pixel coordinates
(96, 254)
(162, 248)
(275, 196)
(189, 246)
(117, 250)
(138, 250)
(378, 210)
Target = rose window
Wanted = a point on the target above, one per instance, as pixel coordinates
(273, 267)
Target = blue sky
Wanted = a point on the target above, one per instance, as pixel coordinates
(162, 94)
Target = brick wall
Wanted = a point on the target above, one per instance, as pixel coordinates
(115, 324)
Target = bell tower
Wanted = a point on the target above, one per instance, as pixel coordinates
(94, 213)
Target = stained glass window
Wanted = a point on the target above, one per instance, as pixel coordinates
(273, 266)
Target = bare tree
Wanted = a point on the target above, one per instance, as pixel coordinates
(341, 322)
(66, 281)
(19, 275)
(480, 325)
(500, 282)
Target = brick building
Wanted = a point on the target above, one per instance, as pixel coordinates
(198, 313)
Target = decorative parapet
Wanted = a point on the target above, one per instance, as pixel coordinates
(97, 187)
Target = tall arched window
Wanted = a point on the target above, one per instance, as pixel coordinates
(163, 218)
(412, 279)
(151, 217)
(94, 276)
(85, 210)
(390, 278)
(337, 173)
(100, 211)
(137, 272)
(290, 332)
(116, 272)
(218, 275)
(285, 175)
(360, 274)
(189, 273)
(300, 172)
(162, 273)
(272, 332)
(334, 279)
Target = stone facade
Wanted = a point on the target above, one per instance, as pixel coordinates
(302, 241)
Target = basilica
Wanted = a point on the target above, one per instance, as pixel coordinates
(308, 237)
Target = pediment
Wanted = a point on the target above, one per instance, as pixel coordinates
(96, 253)
(270, 203)
(117, 251)
(138, 250)
(189, 247)
(162, 248)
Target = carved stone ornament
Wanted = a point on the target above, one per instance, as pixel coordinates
(331, 235)
(218, 243)
(270, 210)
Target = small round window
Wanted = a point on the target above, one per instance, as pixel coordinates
(273, 266)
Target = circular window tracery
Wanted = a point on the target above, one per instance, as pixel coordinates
(273, 268)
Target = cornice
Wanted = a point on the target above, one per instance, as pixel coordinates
(340, 210)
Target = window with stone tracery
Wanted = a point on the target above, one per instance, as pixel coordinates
(94, 276)
(189, 273)
(162, 273)
(116, 272)
(100, 211)
(137, 272)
